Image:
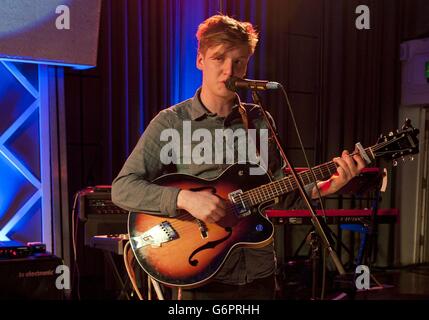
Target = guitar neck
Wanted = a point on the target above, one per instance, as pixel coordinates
(287, 184)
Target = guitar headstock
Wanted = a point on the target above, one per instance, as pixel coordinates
(398, 144)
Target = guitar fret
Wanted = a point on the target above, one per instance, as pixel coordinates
(284, 186)
(257, 195)
(260, 196)
(304, 178)
(290, 183)
(252, 196)
(329, 169)
(318, 172)
(279, 190)
(267, 193)
(263, 193)
(270, 193)
(323, 172)
(247, 202)
(308, 177)
(272, 190)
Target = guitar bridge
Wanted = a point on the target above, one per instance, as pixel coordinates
(236, 197)
(156, 236)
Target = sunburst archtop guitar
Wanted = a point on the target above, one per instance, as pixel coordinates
(186, 252)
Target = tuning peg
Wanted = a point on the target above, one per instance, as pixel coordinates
(411, 158)
(395, 163)
(403, 159)
(390, 133)
(407, 124)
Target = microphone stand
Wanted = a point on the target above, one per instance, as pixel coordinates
(316, 222)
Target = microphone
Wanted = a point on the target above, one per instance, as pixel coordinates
(234, 83)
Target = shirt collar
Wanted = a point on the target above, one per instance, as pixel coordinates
(198, 110)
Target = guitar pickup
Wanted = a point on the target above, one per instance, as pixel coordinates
(203, 228)
(240, 209)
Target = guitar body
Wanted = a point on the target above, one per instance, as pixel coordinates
(194, 251)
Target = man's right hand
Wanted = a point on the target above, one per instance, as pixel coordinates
(203, 205)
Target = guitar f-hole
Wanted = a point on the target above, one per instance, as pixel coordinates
(209, 245)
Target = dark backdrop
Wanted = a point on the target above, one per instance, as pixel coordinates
(342, 82)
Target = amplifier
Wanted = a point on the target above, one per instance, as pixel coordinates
(30, 278)
(97, 201)
(14, 249)
(99, 214)
(110, 242)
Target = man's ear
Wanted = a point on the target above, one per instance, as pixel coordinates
(200, 62)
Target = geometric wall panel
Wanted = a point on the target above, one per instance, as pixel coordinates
(29, 69)
(30, 225)
(20, 145)
(14, 98)
(15, 190)
(24, 143)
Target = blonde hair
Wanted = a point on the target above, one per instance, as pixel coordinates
(221, 29)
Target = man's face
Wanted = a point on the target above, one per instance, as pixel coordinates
(218, 64)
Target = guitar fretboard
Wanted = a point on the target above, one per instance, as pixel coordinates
(280, 187)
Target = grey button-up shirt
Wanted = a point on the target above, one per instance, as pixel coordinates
(132, 188)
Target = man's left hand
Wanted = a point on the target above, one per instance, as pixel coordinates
(348, 167)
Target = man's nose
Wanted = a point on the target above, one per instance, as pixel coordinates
(228, 67)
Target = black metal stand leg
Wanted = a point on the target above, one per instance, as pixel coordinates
(315, 258)
(118, 277)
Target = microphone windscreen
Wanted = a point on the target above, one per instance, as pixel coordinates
(230, 83)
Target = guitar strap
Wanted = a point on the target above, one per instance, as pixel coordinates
(249, 125)
(245, 119)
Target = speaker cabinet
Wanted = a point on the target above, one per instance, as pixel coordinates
(50, 31)
(30, 278)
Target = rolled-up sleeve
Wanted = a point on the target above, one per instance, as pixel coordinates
(133, 189)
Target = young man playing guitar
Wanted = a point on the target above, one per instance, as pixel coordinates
(225, 46)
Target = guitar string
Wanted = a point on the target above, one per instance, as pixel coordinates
(263, 191)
